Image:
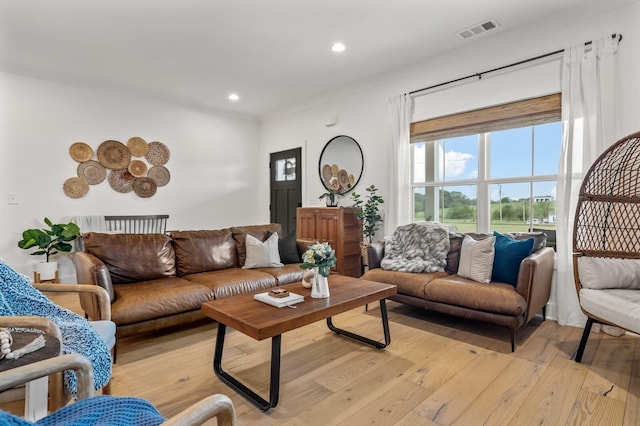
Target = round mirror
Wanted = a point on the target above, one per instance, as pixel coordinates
(341, 164)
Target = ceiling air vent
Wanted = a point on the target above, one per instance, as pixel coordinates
(478, 29)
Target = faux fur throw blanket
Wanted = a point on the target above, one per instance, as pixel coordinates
(417, 247)
(19, 298)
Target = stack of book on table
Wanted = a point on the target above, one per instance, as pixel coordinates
(279, 299)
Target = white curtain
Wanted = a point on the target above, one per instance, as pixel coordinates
(399, 200)
(589, 126)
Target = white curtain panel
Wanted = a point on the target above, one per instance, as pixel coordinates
(400, 204)
(589, 126)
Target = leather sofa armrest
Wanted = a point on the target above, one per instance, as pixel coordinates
(534, 280)
(91, 270)
(375, 251)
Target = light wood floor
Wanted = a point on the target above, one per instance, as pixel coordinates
(437, 370)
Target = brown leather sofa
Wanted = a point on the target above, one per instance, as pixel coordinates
(495, 302)
(156, 280)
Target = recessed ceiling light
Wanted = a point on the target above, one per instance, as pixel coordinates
(338, 47)
(234, 97)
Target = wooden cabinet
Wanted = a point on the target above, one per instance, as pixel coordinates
(340, 228)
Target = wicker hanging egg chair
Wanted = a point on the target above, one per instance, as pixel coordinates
(606, 235)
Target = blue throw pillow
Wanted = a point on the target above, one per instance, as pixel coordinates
(509, 254)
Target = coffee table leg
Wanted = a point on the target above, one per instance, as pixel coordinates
(375, 343)
(254, 398)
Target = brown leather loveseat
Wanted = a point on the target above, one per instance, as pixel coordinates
(160, 280)
(496, 302)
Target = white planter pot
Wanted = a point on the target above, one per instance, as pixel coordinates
(47, 270)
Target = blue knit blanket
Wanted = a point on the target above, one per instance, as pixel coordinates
(99, 410)
(19, 297)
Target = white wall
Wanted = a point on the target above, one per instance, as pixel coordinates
(213, 161)
(363, 112)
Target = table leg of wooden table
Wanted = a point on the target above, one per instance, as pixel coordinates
(374, 343)
(254, 398)
(35, 401)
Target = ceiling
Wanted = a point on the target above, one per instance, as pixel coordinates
(273, 53)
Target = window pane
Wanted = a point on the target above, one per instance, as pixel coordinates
(286, 169)
(511, 153)
(419, 162)
(544, 204)
(547, 146)
(544, 210)
(450, 205)
(458, 158)
(510, 207)
(445, 160)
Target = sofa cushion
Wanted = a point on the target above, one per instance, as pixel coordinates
(233, 281)
(603, 273)
(488, 297)
(288, 248)
(133, 257)
(289, 273)
(200, 251)
(262, 254)
(147, 300)
(620, 306)
(409, 283)
(453, 256)
(509, 253)
(258, 231)
(476, 259)
(539, 238)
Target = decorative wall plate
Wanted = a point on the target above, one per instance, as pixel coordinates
(138, 147)
(92, 171)
(75, 187)
(343, 178)
(158, 154)
(137, 168)
(80, 151)
(159, 174)
(326, 173)
(114, 155)
(144, 187)
(121, 180)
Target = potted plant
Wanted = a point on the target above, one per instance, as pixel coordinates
(332, 197)
(368, 212)
(320, 257)
(49, 242)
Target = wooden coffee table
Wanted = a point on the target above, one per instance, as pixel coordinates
(262, 321)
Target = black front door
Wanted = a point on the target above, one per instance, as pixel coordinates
(286, 187)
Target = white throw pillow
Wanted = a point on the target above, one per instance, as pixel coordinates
(602, 272)
(262, 255)
(476, 259)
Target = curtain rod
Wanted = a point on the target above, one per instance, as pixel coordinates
(480, 74)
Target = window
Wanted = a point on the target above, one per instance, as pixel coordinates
(490, 169)
(286, 169)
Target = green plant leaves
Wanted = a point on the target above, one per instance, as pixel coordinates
(50, 241)
(368, 211)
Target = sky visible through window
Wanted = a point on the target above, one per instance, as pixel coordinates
(512, 155)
